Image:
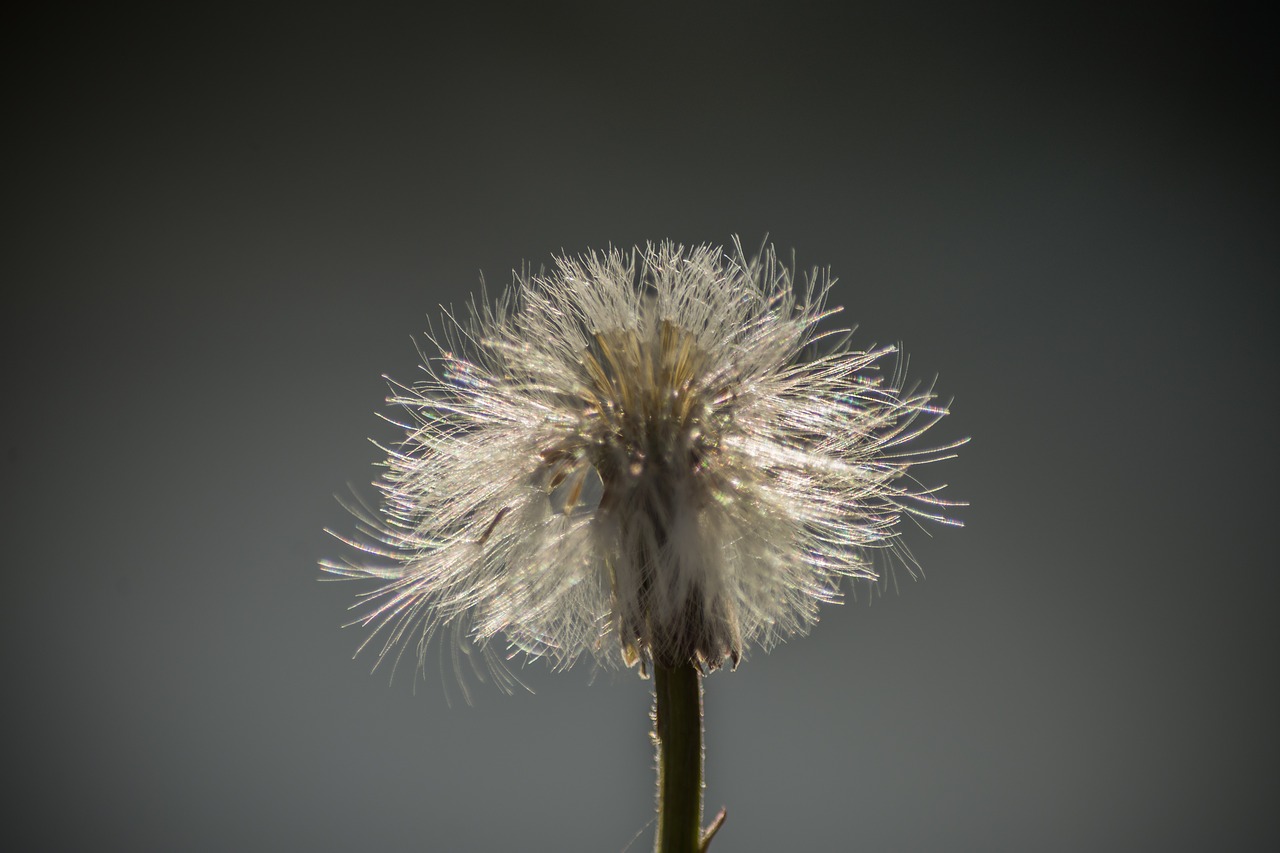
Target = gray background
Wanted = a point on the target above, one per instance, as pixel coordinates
(224, 227)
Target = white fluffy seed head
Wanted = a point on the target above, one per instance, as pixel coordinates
(649, 456)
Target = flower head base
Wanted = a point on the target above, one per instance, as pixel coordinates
(629, 457)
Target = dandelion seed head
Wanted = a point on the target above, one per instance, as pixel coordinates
(650, 457)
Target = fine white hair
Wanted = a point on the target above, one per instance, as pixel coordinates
(650, 456)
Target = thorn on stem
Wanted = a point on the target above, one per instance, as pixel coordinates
(711, 830)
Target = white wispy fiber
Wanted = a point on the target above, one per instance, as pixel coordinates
(650, 456)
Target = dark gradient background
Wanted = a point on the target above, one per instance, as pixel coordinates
(225, 226)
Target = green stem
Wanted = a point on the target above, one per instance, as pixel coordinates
(677, 730)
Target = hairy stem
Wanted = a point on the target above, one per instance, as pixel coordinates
(677, 730)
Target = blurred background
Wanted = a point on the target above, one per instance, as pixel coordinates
(225, 225)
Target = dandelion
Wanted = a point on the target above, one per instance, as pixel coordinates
(653, 458)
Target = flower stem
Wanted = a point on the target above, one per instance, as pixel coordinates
(677, 731)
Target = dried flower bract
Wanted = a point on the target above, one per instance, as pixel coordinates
(650, 456)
